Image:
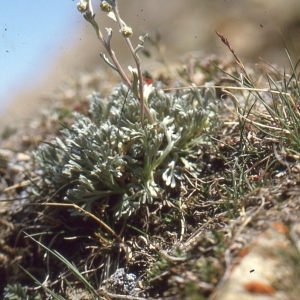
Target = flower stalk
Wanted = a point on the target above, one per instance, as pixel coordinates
(137, 85)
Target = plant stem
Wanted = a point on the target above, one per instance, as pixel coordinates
(90, 17)
(139, 69)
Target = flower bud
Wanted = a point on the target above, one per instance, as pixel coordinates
(126, 31)
(106, 7)
(82, 6)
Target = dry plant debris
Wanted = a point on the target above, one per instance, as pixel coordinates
(181, 248)
(196, 211)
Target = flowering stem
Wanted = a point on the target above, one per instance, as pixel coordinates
(86, 7)
(139, 69)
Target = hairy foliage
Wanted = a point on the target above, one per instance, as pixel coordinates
(109, 156)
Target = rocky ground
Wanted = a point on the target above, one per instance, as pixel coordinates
(235, 234)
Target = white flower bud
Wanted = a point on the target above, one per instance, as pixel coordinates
(82, 6)
(126, 31)
(106, 7)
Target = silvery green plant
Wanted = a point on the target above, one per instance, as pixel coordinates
(110, 158)
(114, 156)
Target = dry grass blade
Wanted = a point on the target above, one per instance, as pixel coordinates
(82, 210)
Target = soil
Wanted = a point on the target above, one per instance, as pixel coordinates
(221, 242)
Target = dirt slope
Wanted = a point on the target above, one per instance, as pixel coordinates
(185, 25)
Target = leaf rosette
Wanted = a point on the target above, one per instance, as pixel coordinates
(109, 157)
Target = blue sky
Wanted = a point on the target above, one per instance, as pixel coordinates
(32, 32)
